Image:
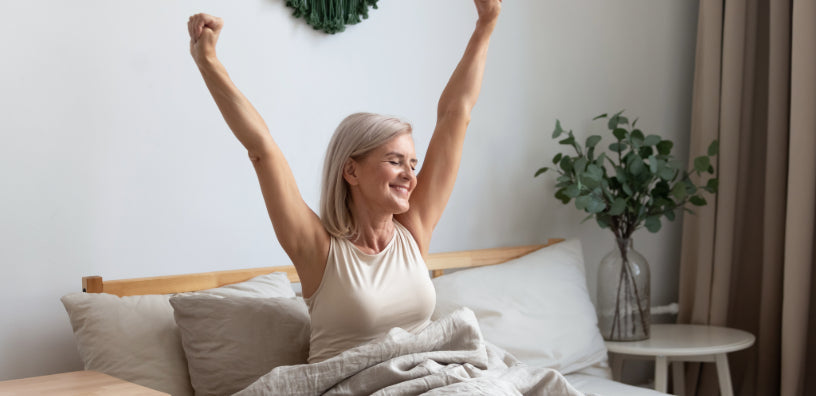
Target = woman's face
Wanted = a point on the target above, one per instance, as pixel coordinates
(384, 179)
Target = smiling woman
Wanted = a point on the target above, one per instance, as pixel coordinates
(365, 253)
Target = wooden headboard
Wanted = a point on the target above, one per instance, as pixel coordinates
(437, 264)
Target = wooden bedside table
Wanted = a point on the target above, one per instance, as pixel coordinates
(682, 343)
(75, 383)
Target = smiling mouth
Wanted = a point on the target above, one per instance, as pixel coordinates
(401, 189)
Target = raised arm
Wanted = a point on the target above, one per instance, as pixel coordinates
(297, 227)
(436, 179)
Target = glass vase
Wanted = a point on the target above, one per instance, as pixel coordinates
(623, 294)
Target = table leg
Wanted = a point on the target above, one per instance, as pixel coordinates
(679, 378)
(724, 375)
(661, 372)
(616, 362)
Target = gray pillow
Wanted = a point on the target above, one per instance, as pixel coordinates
(231, 342)
(136, 339)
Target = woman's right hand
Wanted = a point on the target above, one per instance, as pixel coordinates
(204, 30)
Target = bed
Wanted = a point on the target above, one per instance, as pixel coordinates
(218, 332)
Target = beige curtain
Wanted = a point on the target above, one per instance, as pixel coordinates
(748, 256)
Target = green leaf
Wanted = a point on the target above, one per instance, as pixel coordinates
(620, 133)
(645, 152)
(617, 147)
(653, 223)
(591, 183)
(679, 191)
(651, 140)
(572, 191)
(540, 171)
(635, 122)
(701, 164)
(618, 206)
(566, 164)
(582, 202)
(603, 221)
(691, 189)
(653, 165)
(628, 190)
(558, 131)
(592, 141)
(667, 173)
(562, 197)
(620, 174)
(664, 147)
(613, 122)
(636, 166)
(714, 148)
(600, 116)
(587, 218)
(697, 200)
(670, 215)
(594, 171)
(713, 185)
(568, 141)
(596, 205)
(580, 164)
(557, 158)
(637, 134)
(600, 160)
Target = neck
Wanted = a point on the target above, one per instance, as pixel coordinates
(374, 231)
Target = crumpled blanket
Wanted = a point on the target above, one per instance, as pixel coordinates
(447, 357)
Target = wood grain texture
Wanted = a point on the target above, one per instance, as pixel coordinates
(437, 263)
(75, 383)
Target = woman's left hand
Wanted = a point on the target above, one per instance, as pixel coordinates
(488, 10)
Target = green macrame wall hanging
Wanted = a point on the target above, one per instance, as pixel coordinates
(331, 16)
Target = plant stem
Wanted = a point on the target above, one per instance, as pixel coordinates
(616, 318)
(626, 276)
(637, 298)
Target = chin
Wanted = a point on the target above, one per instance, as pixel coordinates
(402, 208)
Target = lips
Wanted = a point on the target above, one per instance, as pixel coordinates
(401, 189)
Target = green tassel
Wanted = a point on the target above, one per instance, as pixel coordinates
(331, 16)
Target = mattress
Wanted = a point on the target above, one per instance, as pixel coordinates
(606, 387)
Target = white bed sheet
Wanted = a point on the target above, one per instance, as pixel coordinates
(606, 387)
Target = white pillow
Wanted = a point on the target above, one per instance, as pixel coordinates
(135, 338)
(537, 307)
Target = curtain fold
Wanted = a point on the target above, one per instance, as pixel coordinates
(799, 232)
(748, 257)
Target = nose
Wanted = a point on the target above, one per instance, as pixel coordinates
(408, 172)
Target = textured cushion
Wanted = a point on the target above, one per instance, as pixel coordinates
(135, 338)
(537, 307)
(231, 342)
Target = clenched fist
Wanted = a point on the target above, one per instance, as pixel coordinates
(204, 31)
(488, 10)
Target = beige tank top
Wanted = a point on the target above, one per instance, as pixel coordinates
(362, 296)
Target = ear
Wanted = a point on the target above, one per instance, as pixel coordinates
(350, 172)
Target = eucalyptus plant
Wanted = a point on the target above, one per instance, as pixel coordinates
(636, 184)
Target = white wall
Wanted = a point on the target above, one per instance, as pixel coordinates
(114, 160)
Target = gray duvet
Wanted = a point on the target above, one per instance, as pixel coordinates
(448, 357)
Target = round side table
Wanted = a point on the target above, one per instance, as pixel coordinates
(682, 343)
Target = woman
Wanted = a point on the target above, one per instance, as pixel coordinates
(360, 262)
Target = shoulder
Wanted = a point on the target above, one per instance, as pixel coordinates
(412, 227)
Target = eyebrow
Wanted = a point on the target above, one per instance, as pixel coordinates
(400, 156)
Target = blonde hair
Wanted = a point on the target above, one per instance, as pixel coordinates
(355, 137)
